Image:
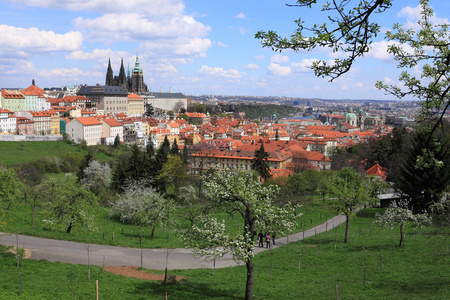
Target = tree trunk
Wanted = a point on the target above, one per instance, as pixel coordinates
(250, 280)
(69, 228)
(153, 232)
(347, 227)
(401, 235)
(33, 214)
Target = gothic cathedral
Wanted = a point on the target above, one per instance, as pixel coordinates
(133, 84)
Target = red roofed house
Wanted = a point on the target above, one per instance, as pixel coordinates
(87, 129)
(25, 126)
(377, 171)
(135, 105)
(110, 129)
(8, 121)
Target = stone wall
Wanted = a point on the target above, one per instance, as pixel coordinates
(29, 138)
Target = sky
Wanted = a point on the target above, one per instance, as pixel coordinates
(196, 47)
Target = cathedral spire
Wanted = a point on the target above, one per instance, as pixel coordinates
(122, 77)
(109, 75)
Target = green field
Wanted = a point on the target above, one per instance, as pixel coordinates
(18, 220)
(418, 270)
(14, 153)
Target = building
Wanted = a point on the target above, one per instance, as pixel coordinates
(135, 105)
(110, 129)
(166, 101)
(133, 83)
(8, 121)
(87, 129)
(105, 99)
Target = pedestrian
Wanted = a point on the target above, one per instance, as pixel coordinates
(274, 235)
(260, 239)
(267, 240)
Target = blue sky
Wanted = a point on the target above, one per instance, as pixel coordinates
(193, 46)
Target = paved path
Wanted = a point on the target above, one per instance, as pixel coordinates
(153, 259)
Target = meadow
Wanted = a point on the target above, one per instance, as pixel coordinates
(370, 266)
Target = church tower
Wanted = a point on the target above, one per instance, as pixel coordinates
(109, 75)
(137, 79)
(122, 76)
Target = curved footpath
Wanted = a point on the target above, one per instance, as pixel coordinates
(153, 259)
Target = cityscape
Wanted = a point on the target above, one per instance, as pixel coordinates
(186, 149)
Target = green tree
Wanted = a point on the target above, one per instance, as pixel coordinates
(348, 30)
(347, 190)
(68, 204)
(424, 174)
(242, 194)
(9, 187)
(260, 163)
(84, 164)
(430, 50)
(173, 172)
(200, 108)
(143, 206)
(174, 149)
(149, 110)
(401, 215)
(116, 141)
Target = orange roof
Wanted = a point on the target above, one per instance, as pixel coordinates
(112, 122)
(377, 170)
(135, 97)
(87, 121)
(35, 89)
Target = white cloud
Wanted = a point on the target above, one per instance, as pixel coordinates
(276, 69)
(220, 72)
(260, 57)
(63, 72)
(243, 30)
(278, 58)
(195, 47)
(241, 15)
(156, 8)
(387, 80)
(251, 67)
(413, 14)
(303, 66)
(379, 50)
(22, 42)
(220, 44)
(137, 27)
(12, 66)
(96, 54)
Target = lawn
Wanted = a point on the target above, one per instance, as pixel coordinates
(18, 220)
(417, 270)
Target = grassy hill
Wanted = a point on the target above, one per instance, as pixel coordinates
(369, 267)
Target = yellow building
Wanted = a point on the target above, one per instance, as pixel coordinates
(135, 105)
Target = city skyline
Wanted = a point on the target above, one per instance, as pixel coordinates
(193, 47)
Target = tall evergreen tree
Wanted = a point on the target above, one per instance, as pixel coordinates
(84, 164)
(260, 163)
(425, 172)
(174, 149)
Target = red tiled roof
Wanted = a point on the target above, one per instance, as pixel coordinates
(89, 121)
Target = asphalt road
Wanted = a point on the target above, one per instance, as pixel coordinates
(153, 259)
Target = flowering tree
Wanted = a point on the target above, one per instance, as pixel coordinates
(240, 193)
(400, 214)
(144, 206)
(97, 177)
(347, 190)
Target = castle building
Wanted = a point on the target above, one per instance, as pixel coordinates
(133, 83)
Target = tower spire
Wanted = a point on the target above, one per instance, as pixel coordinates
(109, 75)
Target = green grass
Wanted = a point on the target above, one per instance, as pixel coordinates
(18, 220)
(13, 153)
(415, 271)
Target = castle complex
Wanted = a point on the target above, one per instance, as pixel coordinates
(133, 83)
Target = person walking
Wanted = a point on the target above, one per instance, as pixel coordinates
(260, 239)
(274, 235)
(267, 240)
